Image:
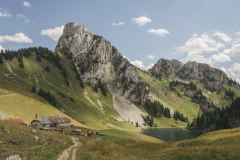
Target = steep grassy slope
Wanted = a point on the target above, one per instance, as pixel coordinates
(160, 90)
(17, 105)
(86, 106)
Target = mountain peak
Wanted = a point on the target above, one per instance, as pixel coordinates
(73, 37)
(96, 59)
(73, 28)
(212, 79)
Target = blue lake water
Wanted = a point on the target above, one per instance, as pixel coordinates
(170, 134)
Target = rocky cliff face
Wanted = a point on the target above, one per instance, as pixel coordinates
(212, 79)
(96, 59)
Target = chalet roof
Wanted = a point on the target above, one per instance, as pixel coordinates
(44, 120)
(57, 119)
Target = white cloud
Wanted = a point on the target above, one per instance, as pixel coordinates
(198, 44)
(233, 71)
(17, 37)
(222, 36)
(54, 33)
(118, 24)
(215, 48)
(1, 48)
(199, 59)
(233, 50)
(159, 32)
(141, 21)
(126, 57)
(138, 64)
(150, 66)
(26, 20)
(151, 56)
(4, 13)
(220, 58)
(26, 4)
(237, 33)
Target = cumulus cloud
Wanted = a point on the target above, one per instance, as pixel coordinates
(150, 66)
(222, 36)
(138, 64)
(237, 33)
(141, 21)
(25, 19)
(126, 57)
(118, 24)
(151, 56)
(198, 44)
(214, 48)
(220, 58)
(1, 48)
(4, 13)
(54, 33)
(26, 4)
(233, 50)
(233, 71)
(17, 37)
(159, 32)
(141, 65)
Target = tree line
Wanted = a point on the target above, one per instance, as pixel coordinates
(46, 95)
(179, 116)
(156, 109)
(148, 121)
(228, 117)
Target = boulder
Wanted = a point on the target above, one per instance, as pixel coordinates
(14, 157)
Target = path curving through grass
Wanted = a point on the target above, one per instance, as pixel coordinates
(72, 149)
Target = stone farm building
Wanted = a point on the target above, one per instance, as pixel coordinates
(53, 121)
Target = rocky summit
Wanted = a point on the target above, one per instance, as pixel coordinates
(212, 79)
(96, 59)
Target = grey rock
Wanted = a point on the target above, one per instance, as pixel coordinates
(96, 59)
(14, 157)
(212, 79)
(36, 138)
(34, 131)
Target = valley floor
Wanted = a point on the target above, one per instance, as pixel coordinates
(115, 144)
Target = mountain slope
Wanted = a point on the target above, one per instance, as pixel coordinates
(211, 78)
(96, 59)
(86, 72)
(85, 105)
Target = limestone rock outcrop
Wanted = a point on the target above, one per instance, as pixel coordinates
(212, 79)
(96, 59)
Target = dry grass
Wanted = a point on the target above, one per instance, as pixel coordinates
(203, 147)
(49, 146)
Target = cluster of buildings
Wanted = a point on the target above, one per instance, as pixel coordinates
(44, 121)
(51, 121)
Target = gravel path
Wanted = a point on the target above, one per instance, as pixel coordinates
(66, 153)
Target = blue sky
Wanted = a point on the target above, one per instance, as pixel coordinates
(144, 31)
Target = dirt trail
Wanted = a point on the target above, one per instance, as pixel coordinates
(66, 153)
